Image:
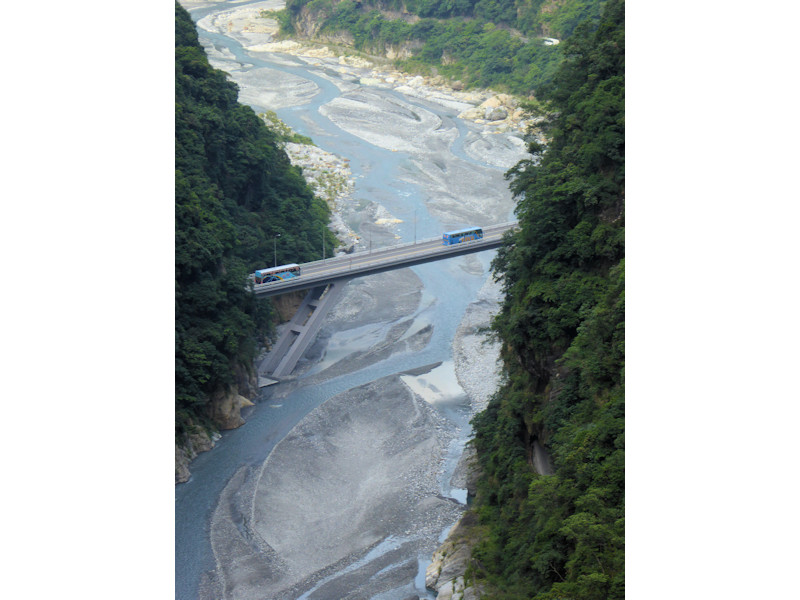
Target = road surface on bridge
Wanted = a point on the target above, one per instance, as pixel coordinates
(383, 259)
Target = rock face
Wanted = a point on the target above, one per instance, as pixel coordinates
(225, 410)
(446, 574)
(195, 443)
(403, 50)
(286, 305)
(307, 23)
(495, 114)
(467, 472)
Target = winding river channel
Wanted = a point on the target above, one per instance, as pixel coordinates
(339, 483)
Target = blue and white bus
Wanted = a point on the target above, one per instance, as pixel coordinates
(462, 235)
(281, 273)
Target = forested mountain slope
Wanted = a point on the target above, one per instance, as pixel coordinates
(485, 43)
(235, 190)
(562, 328)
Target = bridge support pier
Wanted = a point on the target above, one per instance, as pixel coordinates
(301, 330)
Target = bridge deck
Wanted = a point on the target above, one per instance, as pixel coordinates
(377, 261)
(326, 278)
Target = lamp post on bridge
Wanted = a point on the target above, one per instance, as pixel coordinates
(275, 249)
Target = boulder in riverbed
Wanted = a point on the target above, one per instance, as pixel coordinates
(495, 114)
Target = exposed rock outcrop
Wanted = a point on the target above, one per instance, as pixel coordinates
(447, 574)
(226, 408)
(467, 472)
(495, 114)
(402, 50)
(286, 305)
(308, 23)
(225, 411)
(194, 443)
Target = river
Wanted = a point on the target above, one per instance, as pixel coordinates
(338, 485)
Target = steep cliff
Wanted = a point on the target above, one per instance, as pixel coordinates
(562, 325)
(235, 193)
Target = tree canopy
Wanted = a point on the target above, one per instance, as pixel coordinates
(235, 192)
(483, 43)
(562, 328)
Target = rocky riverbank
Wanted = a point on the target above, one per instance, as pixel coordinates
(226, 412)
(475, 353)
(332, 180)
(258, 31)
(447, 572)
(476, 356)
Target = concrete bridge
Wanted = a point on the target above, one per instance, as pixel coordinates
(325, 280)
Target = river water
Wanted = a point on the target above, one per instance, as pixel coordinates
(403, 182)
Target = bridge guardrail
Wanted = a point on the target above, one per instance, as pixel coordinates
(304, 280)
(396, 246)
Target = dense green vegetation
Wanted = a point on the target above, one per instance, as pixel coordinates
(235, 191)
(558, 19)
(484, 43)
(562, 328)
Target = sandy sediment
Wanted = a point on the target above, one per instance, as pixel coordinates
(459, 193)
(287, 89)
(475, 353)
(366, 113)
(344, 504)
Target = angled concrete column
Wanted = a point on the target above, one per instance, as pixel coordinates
(287, 338)
(301, 330)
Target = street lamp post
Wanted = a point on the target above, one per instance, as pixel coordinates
(275, 249)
